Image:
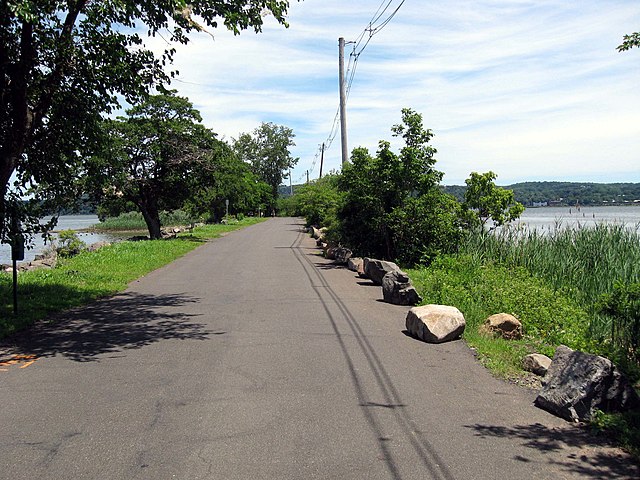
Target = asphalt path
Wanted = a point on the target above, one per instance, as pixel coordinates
(253, 357)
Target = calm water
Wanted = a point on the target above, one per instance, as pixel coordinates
(65, 222)
(548, 217)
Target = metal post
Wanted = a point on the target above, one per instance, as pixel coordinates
(15, 286)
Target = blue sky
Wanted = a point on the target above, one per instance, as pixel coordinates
(533, 90)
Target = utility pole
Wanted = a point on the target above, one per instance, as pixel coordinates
(321, 159)
(307, 177)
(343, 101)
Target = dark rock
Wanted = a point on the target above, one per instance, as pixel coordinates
(397, 289)
(579, 383)
(377, 269)
(342, 255)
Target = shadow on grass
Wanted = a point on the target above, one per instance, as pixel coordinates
(125, 321)
(593, 463)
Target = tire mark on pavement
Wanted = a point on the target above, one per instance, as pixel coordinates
(423, 448)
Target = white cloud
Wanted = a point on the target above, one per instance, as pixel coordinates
(530, 89)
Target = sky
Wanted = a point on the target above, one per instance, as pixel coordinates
(532, 90)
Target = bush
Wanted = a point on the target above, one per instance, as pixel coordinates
(69, 244)
(425, 227)
(623, 305)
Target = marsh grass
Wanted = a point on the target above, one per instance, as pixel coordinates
(91, 275)
(587, 261)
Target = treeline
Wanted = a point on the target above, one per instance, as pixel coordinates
(566, 193)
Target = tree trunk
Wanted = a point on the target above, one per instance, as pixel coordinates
(152, 219)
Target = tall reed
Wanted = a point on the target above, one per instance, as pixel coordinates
(586, 262)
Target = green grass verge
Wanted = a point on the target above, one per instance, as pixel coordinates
(549, 317)
(89, 276)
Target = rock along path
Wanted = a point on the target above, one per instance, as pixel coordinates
(254, 358)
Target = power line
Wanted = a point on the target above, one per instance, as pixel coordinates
(375, 26)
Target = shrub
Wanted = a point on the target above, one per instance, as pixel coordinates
(623, 305)
(69, 244)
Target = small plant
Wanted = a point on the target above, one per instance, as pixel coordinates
(623, 305)
(69, 244)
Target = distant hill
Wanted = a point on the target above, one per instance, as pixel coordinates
(566, 193)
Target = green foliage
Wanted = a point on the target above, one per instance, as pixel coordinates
(478, 290)
(623, 305)
(69, 244)
(267, 151)
(383, 195)
(317, 202)
(63, 65)
(484, 201)
(623, 428)
(565, 193)
(157, 158)
(630, 41)
(425, 227)
(585, 263)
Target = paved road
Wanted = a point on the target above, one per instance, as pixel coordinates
(254, 358)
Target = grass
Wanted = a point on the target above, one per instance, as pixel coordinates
(88, 276)
(549, 318)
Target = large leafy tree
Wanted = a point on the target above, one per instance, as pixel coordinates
(378, 188)
(157, 157)
(267, 151)
(64, 63)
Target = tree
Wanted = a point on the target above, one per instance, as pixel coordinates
(377, 189)
(229, 179)
(63, 64)
(485, 201)
(267, 151)
(630, 41)
(156, 157)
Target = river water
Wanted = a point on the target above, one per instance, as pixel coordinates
(546, 218)
(65, 222)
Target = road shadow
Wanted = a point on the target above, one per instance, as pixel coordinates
(125, 321)
(593, 463)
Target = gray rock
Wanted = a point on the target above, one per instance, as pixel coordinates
(342, 255)
(578, 383)
(377, 269)
(505, 325)
(536, 363)
(330, 252)
(355, 264)
(397, 289)
(435, 323)
(97, 246)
